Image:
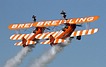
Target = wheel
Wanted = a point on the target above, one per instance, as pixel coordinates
(78, 38)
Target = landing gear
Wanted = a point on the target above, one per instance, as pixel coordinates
(24, 45)
(78, 38)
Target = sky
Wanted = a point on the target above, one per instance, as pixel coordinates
(90, 51)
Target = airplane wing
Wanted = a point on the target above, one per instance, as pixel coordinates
(75, 33)
(54, 34)
(20, 26)
(53, 22)
(47, 35)
(20, 36)
(84, 32)
(56, 41)
(27, 43)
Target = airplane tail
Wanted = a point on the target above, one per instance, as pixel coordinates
(25, 43)
(56, 41)
(52, 39)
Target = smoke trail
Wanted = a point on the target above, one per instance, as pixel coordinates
(49, 55)
(17, 60)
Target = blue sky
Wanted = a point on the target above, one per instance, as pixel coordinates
(89, 52)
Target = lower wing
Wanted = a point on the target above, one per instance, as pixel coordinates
(75, 33)
(54, 34)
(20, 36)
(84, 32)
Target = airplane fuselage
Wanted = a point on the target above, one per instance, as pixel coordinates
(38, 30)
(67, 31)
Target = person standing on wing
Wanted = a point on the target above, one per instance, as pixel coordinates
(63, 13)
(34, 18)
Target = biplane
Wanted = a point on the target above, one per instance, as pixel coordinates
(53, 37)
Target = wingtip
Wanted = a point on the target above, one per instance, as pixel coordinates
(96, 30)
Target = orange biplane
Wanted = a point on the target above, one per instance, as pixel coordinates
(51, 38)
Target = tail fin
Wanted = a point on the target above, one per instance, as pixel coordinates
(52, 39)
(24, 41)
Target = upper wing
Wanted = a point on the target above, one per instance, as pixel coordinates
(20, 26)
(53, 22)
(82, 20)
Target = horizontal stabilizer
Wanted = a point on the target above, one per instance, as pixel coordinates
(27, 43)
(84, 32)
(56, 41)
